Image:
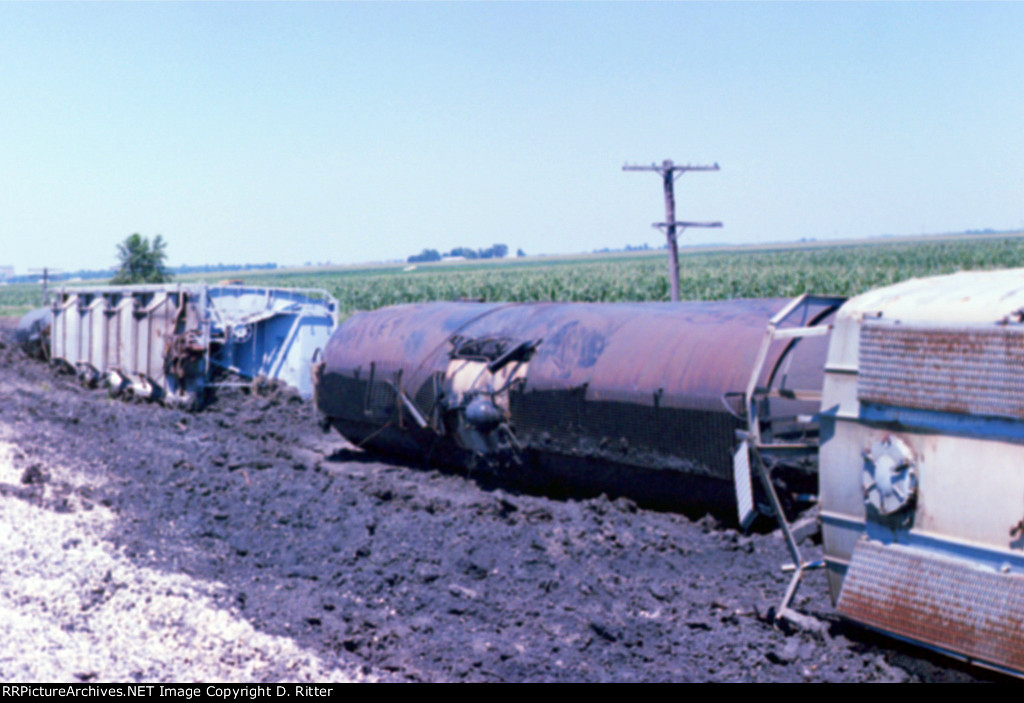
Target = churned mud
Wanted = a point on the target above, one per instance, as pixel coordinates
(241, 543)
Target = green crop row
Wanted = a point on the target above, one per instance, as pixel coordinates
(737, 273)
(19, 298)
(704, 275)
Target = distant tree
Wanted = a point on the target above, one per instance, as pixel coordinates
(520, 253)
(141, 262)
(464, 252)
(425, 256)
(497, 251)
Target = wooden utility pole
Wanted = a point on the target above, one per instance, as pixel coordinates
(46, 275)
(669, 172)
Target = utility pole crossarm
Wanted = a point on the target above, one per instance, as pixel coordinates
(669, 166)
(669, 172)
(684, 225)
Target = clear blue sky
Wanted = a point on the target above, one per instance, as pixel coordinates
(292, 132)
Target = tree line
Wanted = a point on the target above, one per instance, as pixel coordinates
(498, 251)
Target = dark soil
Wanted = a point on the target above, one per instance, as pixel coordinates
(420, 575)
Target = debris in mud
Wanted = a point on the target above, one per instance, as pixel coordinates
(34, 475)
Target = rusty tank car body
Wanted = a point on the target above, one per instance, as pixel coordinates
(642, 400)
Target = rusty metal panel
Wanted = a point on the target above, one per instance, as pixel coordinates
(958, 369)
(683, 355)
(161, 315)
(942, 602)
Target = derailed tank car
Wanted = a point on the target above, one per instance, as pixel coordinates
(33, 332)
(642, 400)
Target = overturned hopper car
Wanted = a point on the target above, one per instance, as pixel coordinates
(168, 342)
(642, 400)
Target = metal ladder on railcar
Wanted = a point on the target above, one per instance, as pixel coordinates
(754, 451)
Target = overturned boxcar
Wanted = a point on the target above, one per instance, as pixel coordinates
(922, 464)
(642, 400)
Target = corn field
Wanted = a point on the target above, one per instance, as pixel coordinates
(723, 274)
(712, 275)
